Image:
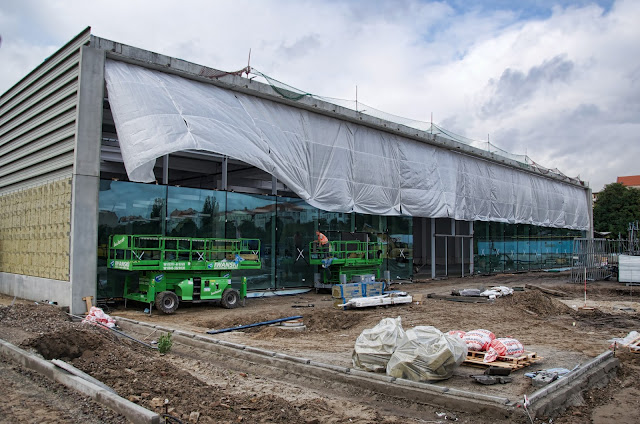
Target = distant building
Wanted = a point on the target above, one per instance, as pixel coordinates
(630, 181)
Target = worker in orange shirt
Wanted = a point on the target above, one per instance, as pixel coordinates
(323, 243)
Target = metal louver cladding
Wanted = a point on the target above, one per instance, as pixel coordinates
(37, 121)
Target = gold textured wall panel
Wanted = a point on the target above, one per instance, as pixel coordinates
(35, 231)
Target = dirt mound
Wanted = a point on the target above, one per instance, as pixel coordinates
(37, 318)
(145, 377)
(138, 373)
(329, 320)
(269, 333)
(537, 302)
(68, 344)
(320, 320)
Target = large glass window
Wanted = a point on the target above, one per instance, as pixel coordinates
(400, 247)
(510, 248)
(481, 248)
(297, 222)
(254, 216)
(524, 247)
(125, 208)
(496, 246)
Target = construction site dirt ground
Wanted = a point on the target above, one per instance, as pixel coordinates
(554, 327)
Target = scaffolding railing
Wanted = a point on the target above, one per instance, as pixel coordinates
(595, 259)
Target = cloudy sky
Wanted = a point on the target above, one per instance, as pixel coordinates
(557, 80)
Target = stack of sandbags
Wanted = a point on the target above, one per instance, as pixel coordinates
(478, 340)
(374, 346)
(503, 347)
(426, 354)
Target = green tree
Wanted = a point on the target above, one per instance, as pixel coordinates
(615, 208)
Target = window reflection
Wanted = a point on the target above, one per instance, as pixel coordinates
(195, 213)
(253, 216)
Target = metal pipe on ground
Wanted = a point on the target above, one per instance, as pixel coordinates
(257, 324)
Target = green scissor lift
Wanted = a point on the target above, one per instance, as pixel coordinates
(346, 257)
(175, 269)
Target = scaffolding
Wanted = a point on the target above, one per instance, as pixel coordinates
(597, 259)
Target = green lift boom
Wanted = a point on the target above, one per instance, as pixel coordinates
(181, 269)
(346, 257)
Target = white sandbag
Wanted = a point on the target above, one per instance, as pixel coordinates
(427, 354)
(374, 346)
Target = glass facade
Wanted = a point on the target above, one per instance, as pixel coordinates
(502, 247)
(285, 227)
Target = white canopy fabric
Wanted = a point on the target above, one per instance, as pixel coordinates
(332, 164)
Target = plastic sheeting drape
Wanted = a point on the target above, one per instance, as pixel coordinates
(332, 164)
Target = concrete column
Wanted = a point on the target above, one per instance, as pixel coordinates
(433, 248)
(471, 248)
(424, 241)
(86, 179)
(225, 182)
(274, 185)
(165, 169)
(589, 194)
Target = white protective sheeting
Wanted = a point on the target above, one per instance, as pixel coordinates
(374, 346)
(332, 164)
(426, 354)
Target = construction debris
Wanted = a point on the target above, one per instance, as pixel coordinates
(343, 293)
(491, 293)
(489, 379)
(97, 315)
(631, 340)
(497, 291)
(383, 300)
(552, 292)
(466, 299)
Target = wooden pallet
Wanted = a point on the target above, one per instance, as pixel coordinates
(476, 359)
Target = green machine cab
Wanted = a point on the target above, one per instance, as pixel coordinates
(175, 269)
(348, 258)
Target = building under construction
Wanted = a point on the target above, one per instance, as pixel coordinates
(103, 138)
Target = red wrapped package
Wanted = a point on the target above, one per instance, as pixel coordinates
(503, 347)
(478, 340)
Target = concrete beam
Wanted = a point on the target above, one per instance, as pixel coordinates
(86, 179)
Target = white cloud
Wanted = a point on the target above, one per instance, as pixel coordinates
(565, 87)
